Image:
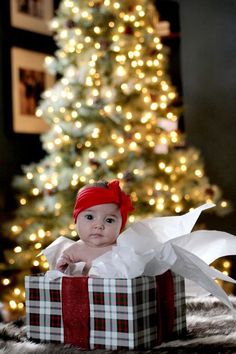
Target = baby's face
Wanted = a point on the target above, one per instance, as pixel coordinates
(99, 226)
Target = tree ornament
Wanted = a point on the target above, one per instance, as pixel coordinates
(209, 191)
(131, 8)
(129, 30)
(94, 163)
(49, 192)
(70, 24)
(128, 176)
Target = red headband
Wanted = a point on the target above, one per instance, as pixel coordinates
(89, 197)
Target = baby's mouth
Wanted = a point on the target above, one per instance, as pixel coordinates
(96, 235)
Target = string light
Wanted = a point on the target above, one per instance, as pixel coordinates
(6, 281)
(16, 229)
(226, 264)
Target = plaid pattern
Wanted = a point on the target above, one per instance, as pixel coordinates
(123, 312)
(180, 325)
(44, 309)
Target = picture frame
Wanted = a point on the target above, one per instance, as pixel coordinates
(32, 15)
(29, 80)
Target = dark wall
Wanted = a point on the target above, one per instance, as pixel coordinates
(208, 57)
(15, 149)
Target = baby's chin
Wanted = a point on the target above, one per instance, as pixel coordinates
(99, 243)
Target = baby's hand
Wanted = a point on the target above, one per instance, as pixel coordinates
(63, 263)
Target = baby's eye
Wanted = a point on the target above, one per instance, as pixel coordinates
(89, 216)
(110, 220)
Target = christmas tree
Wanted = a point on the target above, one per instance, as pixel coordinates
(112, 113)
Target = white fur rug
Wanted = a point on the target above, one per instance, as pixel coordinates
(211, 329)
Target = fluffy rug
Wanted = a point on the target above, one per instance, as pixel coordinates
(211, 329)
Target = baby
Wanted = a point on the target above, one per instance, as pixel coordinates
(100, 213)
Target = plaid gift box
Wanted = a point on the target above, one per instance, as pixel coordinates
(106, 313)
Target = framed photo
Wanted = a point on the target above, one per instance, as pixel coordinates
(29, 80)
(32, 15)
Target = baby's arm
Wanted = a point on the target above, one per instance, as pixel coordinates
(70, 255)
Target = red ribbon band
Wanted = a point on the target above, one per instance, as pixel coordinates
(75, 311)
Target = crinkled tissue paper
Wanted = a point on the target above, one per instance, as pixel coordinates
(152, 246)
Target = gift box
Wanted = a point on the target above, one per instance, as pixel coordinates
(106, 313)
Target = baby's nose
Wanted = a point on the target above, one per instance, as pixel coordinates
(99, 225)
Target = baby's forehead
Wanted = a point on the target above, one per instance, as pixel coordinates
(109, 208)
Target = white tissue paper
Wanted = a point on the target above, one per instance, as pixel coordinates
(152, 246)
